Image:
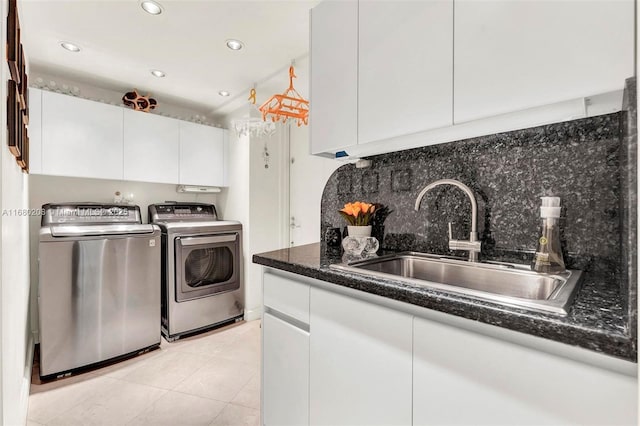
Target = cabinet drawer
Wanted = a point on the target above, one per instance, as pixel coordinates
(286, 296)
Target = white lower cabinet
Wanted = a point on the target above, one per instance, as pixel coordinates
(286, 372)
(331, 358)
(360, 362)
(465, 378)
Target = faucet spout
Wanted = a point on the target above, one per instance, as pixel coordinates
(464, 188)
(473, 245)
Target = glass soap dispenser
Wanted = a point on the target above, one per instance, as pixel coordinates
(548, 257)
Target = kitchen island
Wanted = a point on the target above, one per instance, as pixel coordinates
(346, 348)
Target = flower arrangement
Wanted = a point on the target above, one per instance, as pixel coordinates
(358, 213)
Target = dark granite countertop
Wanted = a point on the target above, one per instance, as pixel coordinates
(595, 322)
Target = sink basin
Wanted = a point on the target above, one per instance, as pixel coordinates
(504, 283)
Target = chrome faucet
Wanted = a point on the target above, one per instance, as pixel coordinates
(473, 244)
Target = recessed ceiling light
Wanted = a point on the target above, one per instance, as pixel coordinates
(70, 46)
(224, 93)
(234, 44)
(151, 7)
(158, 73)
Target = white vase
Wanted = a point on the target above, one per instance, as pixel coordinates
(359, 231)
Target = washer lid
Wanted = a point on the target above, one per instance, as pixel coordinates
(96, 230)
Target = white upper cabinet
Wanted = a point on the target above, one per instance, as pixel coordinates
(334, 76)
(512, 55)
(151, 147)
(405, 62)
(389, 75)
(201, 155)
(35, 131)
(80, 137)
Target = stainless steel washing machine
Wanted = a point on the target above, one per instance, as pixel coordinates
(98, 292)
(202, 284)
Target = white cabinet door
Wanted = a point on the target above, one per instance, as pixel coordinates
(360, 362)
(512, 55)
(35, 131)
(81, 138)
(285, 373)
(405, 67)
(465, 378)
(201, 155)
(151, 147)
(334, 76)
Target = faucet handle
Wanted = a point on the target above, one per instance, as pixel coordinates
(450, 231)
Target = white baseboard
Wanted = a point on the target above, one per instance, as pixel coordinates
(253, 314)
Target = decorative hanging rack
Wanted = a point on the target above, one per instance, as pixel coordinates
(252, 124)
(290, 104)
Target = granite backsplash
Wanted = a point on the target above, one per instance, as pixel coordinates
(589, 163)
(629, 205)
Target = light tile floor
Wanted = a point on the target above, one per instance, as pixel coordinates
(208, 379)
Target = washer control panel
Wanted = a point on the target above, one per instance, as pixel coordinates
(89, 213)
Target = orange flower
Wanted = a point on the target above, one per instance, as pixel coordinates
(358, 212)
(348, 209)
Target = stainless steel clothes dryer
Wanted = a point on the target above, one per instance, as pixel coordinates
(202, 284)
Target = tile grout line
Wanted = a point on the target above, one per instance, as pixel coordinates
(146, 406)
(80, 400)
(242, 338)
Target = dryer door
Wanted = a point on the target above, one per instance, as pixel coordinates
(207, 265)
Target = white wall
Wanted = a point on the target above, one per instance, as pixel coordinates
(58, 189)
(261, 197)
(16, 346)
(268, 208)
(308, 174)
(255, 198)
(308, 177)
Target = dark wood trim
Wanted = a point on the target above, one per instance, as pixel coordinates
(14, 122)
(23, 158)
(13, 41)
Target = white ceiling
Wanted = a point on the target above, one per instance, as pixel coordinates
(121, 44)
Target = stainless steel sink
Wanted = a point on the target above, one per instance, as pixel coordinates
(504, 283)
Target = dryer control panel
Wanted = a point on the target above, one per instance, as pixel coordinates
(170, 212)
